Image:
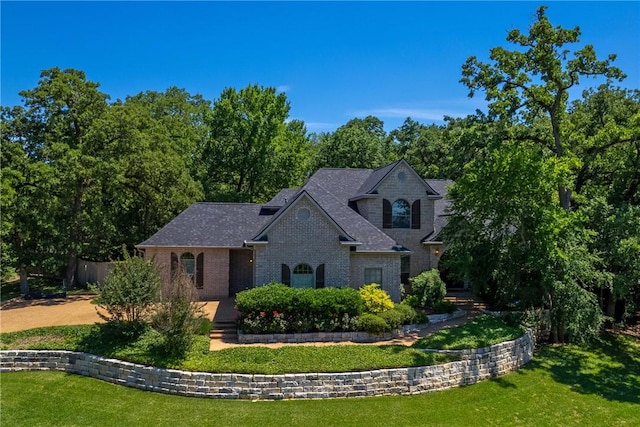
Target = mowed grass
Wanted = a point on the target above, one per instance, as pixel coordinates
(598, 385)
(142, 347)
(483, 331)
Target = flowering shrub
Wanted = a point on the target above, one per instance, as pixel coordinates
(375, 299)
(276, 308)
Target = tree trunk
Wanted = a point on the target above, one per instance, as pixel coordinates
(611, 305)
(24, 281)
(72, 266)
(565, 197)
(554, 323)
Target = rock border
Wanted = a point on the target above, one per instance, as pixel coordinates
(476, 365)
(358, 337)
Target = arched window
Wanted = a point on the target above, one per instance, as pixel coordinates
(401, 214)
(302, 276)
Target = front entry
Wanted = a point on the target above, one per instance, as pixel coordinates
(240, 270)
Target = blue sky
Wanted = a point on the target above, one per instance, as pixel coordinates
(335, 61)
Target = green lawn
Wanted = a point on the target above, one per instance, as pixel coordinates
(142, 347)
(483, 331)
(563, 386)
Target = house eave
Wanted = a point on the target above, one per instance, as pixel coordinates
(250, 243)
(386, 252)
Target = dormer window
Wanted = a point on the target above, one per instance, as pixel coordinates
(400, 214)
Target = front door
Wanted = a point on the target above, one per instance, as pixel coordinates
(240, 270)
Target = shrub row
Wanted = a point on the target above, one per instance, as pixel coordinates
(277, 308)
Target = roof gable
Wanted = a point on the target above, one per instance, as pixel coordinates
(377, 177)
(302, 194)
(351, 225)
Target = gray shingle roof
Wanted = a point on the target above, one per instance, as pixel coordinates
(440, 207)
(281, 199)
(210, 225)
(343, 183)
(230, 224)
(374, 179)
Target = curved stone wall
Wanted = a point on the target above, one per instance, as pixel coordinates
(476, 365)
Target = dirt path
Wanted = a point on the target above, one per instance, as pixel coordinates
(18, 314)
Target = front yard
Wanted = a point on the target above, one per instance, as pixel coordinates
(594, 385)
(140, 346)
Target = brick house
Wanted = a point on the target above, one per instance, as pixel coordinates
(343, 227)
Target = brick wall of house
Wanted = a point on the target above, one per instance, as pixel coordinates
(390, 265)
(216, 268)
(410, 189)
(313, 241)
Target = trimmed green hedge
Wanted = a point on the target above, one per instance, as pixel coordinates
(276, 308)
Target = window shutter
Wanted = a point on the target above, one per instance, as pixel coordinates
(286, 275)
(174, 264)
(320, 276)
(386, 213)
(200, 271)
(415, 214)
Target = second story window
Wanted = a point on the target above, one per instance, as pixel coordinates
(400, 214)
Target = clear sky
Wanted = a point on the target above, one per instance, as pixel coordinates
(335, 61)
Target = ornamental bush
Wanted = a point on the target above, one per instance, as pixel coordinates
(129, 290)
(375, 299)
(178, 317)
(428, 288)
(373, 324)
(277, 308)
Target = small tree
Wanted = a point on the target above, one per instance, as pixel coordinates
(129, 290)
(428, 288)
(178, 317)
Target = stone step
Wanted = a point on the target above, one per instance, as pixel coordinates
(466, 301)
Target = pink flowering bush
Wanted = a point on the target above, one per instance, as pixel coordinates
(276, 308)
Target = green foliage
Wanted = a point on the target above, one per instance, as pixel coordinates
(410, 314)
(360, 143)
(252, 151)
(74, 164)
(443, 306)
(276, 308)
(375, 299)
(373, 324)
(177, 316)
(483, 331)
(129, 290)
(427, 288)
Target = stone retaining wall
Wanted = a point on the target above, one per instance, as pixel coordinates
(360, 337)
(476, 365)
